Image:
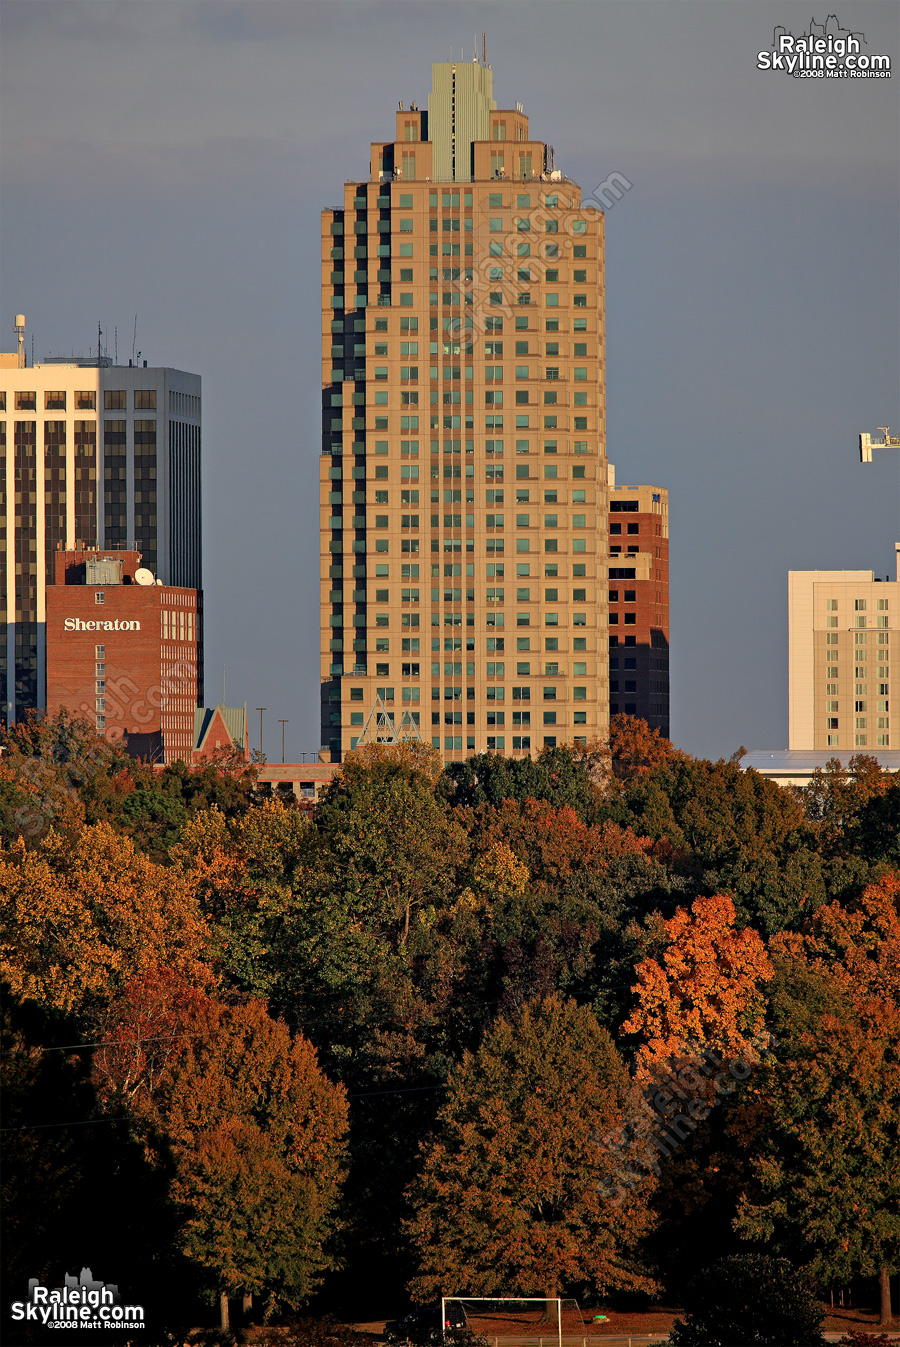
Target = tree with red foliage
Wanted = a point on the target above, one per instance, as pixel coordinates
(635, 748)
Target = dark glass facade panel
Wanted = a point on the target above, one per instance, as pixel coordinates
(115, 493)
(54, 492)
(85, 484)
(26, 563)
(145, 488)
(185, 541)
(4, 574)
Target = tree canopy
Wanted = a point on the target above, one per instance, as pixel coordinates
(253, 1130)
(511, 1191)
(418, 1028)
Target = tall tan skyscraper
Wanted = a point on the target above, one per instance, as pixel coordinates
(464, 497)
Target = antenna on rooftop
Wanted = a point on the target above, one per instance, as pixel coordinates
(134, 339)
(20, 333)
(484, 49)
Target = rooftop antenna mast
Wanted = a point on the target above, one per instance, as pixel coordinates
(134, 339)
(484, 49)
(99, 335)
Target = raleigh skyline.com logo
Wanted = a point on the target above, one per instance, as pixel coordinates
(824, 51)
(81, 1302)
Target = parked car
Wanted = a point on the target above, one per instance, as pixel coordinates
(424, 1323)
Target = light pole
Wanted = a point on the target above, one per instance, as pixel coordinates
(260, 709)
(282, 723)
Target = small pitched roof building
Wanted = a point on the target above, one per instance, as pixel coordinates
(218, 728)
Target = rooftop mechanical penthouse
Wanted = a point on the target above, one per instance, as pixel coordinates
(463, 470)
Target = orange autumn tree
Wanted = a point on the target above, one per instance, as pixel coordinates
(514, 1189)
(409, 760)
(553, 842)
(706, 992)
(635, 748)
(237, 1110)
(858, 944)
(81, 916)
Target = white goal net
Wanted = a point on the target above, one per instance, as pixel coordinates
(509, 1321)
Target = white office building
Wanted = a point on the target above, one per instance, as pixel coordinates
(92, 454)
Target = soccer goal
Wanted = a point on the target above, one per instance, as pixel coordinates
(514, 1319)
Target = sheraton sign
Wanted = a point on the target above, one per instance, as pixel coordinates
(76, 624)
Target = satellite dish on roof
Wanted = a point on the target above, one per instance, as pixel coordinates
(143, 577)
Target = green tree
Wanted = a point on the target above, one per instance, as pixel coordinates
(512, 1190)
(57, 772)
(225, 781)
(835, 795)
(560, 776)
(731, 832)
(828, 1186)
(390, 846)
(249, 872)
(749, 1299)
(874, 830)
(585, 912)
(153, 819)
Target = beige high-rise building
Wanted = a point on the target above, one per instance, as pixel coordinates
(844, 660)
(463, 472)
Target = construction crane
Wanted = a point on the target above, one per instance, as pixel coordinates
(867, 444)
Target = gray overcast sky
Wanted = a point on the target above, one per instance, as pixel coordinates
(170, 157)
